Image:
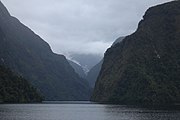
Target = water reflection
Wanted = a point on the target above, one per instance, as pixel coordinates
(83, 112)
(142, 113)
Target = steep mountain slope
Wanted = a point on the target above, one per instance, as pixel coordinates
(28, 55)
(14, 88)
(78, 69)
(94, 72)
(145, 67)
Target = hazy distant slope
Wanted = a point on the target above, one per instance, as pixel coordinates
(93, 74)
(87, 61)
(78, 69)
(94, 71)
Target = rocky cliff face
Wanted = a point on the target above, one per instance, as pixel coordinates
(144, 68)
(28, 55)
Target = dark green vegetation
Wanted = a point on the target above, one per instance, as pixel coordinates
(28, 55)
(16, 89)
(145, 67)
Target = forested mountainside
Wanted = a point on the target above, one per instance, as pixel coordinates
(15, 89)
(27, 54)
(145, 67)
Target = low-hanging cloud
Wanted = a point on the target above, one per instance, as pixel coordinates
(80, 26)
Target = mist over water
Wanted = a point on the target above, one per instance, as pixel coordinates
(77, 111)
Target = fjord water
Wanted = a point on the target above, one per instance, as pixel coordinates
(84, 111)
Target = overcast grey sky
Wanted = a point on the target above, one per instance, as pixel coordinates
(80, 26)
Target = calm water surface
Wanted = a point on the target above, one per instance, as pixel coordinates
(84, 111)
